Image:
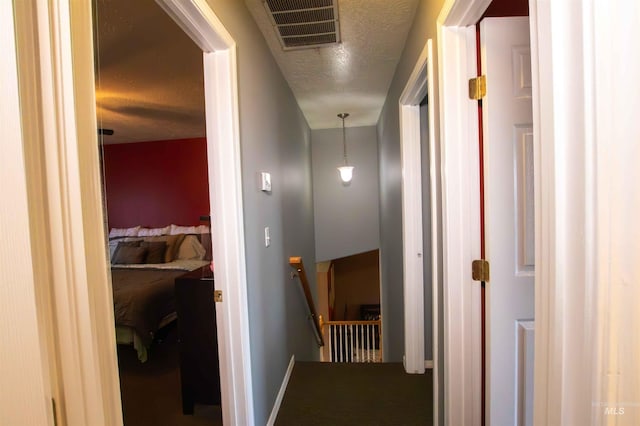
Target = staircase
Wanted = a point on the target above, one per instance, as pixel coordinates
(341, 341)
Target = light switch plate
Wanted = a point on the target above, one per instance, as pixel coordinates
(267, 237)
(265, 181)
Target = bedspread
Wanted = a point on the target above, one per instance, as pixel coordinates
(142, 297)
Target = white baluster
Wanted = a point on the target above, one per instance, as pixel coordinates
(359, 343)
(340, 342)
(366, 328)
(376, 331)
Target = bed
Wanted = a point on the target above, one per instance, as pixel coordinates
(143, 281)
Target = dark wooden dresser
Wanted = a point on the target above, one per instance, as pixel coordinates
(199, 365)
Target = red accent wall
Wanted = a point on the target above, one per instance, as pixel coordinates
(156, 183)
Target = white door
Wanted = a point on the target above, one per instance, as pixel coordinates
(509, 219)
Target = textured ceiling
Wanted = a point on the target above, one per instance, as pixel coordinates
(353, 76)
(149, 79)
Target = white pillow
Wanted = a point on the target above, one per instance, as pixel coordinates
(191, 249)
(124, 232)
(154, 232)
(177, 229)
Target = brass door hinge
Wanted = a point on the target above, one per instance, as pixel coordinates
(480, 270)
(478, 87)
(217, 296)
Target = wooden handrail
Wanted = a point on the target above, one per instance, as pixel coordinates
(296, 262)
(355, 322)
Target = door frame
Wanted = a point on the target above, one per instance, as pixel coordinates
(572, 95)
(412, 245)
(27, 352)
(199, 22)
(57, 96)
(459, 133)
(64, 97)
(419, 85)
(586, 236)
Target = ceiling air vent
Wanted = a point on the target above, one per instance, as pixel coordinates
(302, 24)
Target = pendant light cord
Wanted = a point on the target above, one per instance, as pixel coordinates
(344, 115)
(344, 142)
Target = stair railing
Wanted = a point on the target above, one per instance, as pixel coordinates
(353, 341)
(296, 262)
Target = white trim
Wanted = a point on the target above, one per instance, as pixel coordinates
(436, 230)
(419, 84)
(67, 169)
(460, 211)
(200, 23)
(587, 232)
(586, 237)
(75, 234)
(225, 186)
(227, 226)
(462, 13)
(31, 121)
(412, 246)
(26, 388)
(413, 280)
(283, 388)
(428, 364)
(543, 407)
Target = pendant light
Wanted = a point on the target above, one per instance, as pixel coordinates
(346, 171)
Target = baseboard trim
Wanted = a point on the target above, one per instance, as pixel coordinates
(428, 364)
(280, 396)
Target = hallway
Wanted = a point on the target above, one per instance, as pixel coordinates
(356, 394)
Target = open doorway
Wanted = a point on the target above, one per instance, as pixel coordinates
(151, 116)
(422, 244)
(197, 20)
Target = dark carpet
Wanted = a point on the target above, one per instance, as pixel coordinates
(151, 391)
(356, 394)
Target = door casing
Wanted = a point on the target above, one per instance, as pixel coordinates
(419, 84)
(80, 282)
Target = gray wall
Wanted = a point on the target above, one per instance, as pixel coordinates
(275, 138)
(346, 216)
(423, 28)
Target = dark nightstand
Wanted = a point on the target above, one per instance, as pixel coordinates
(199, 365)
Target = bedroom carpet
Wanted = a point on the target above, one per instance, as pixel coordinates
(339, 394)
(151, 391)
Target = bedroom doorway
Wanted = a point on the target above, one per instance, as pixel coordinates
(151, 126)
(130, 207)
